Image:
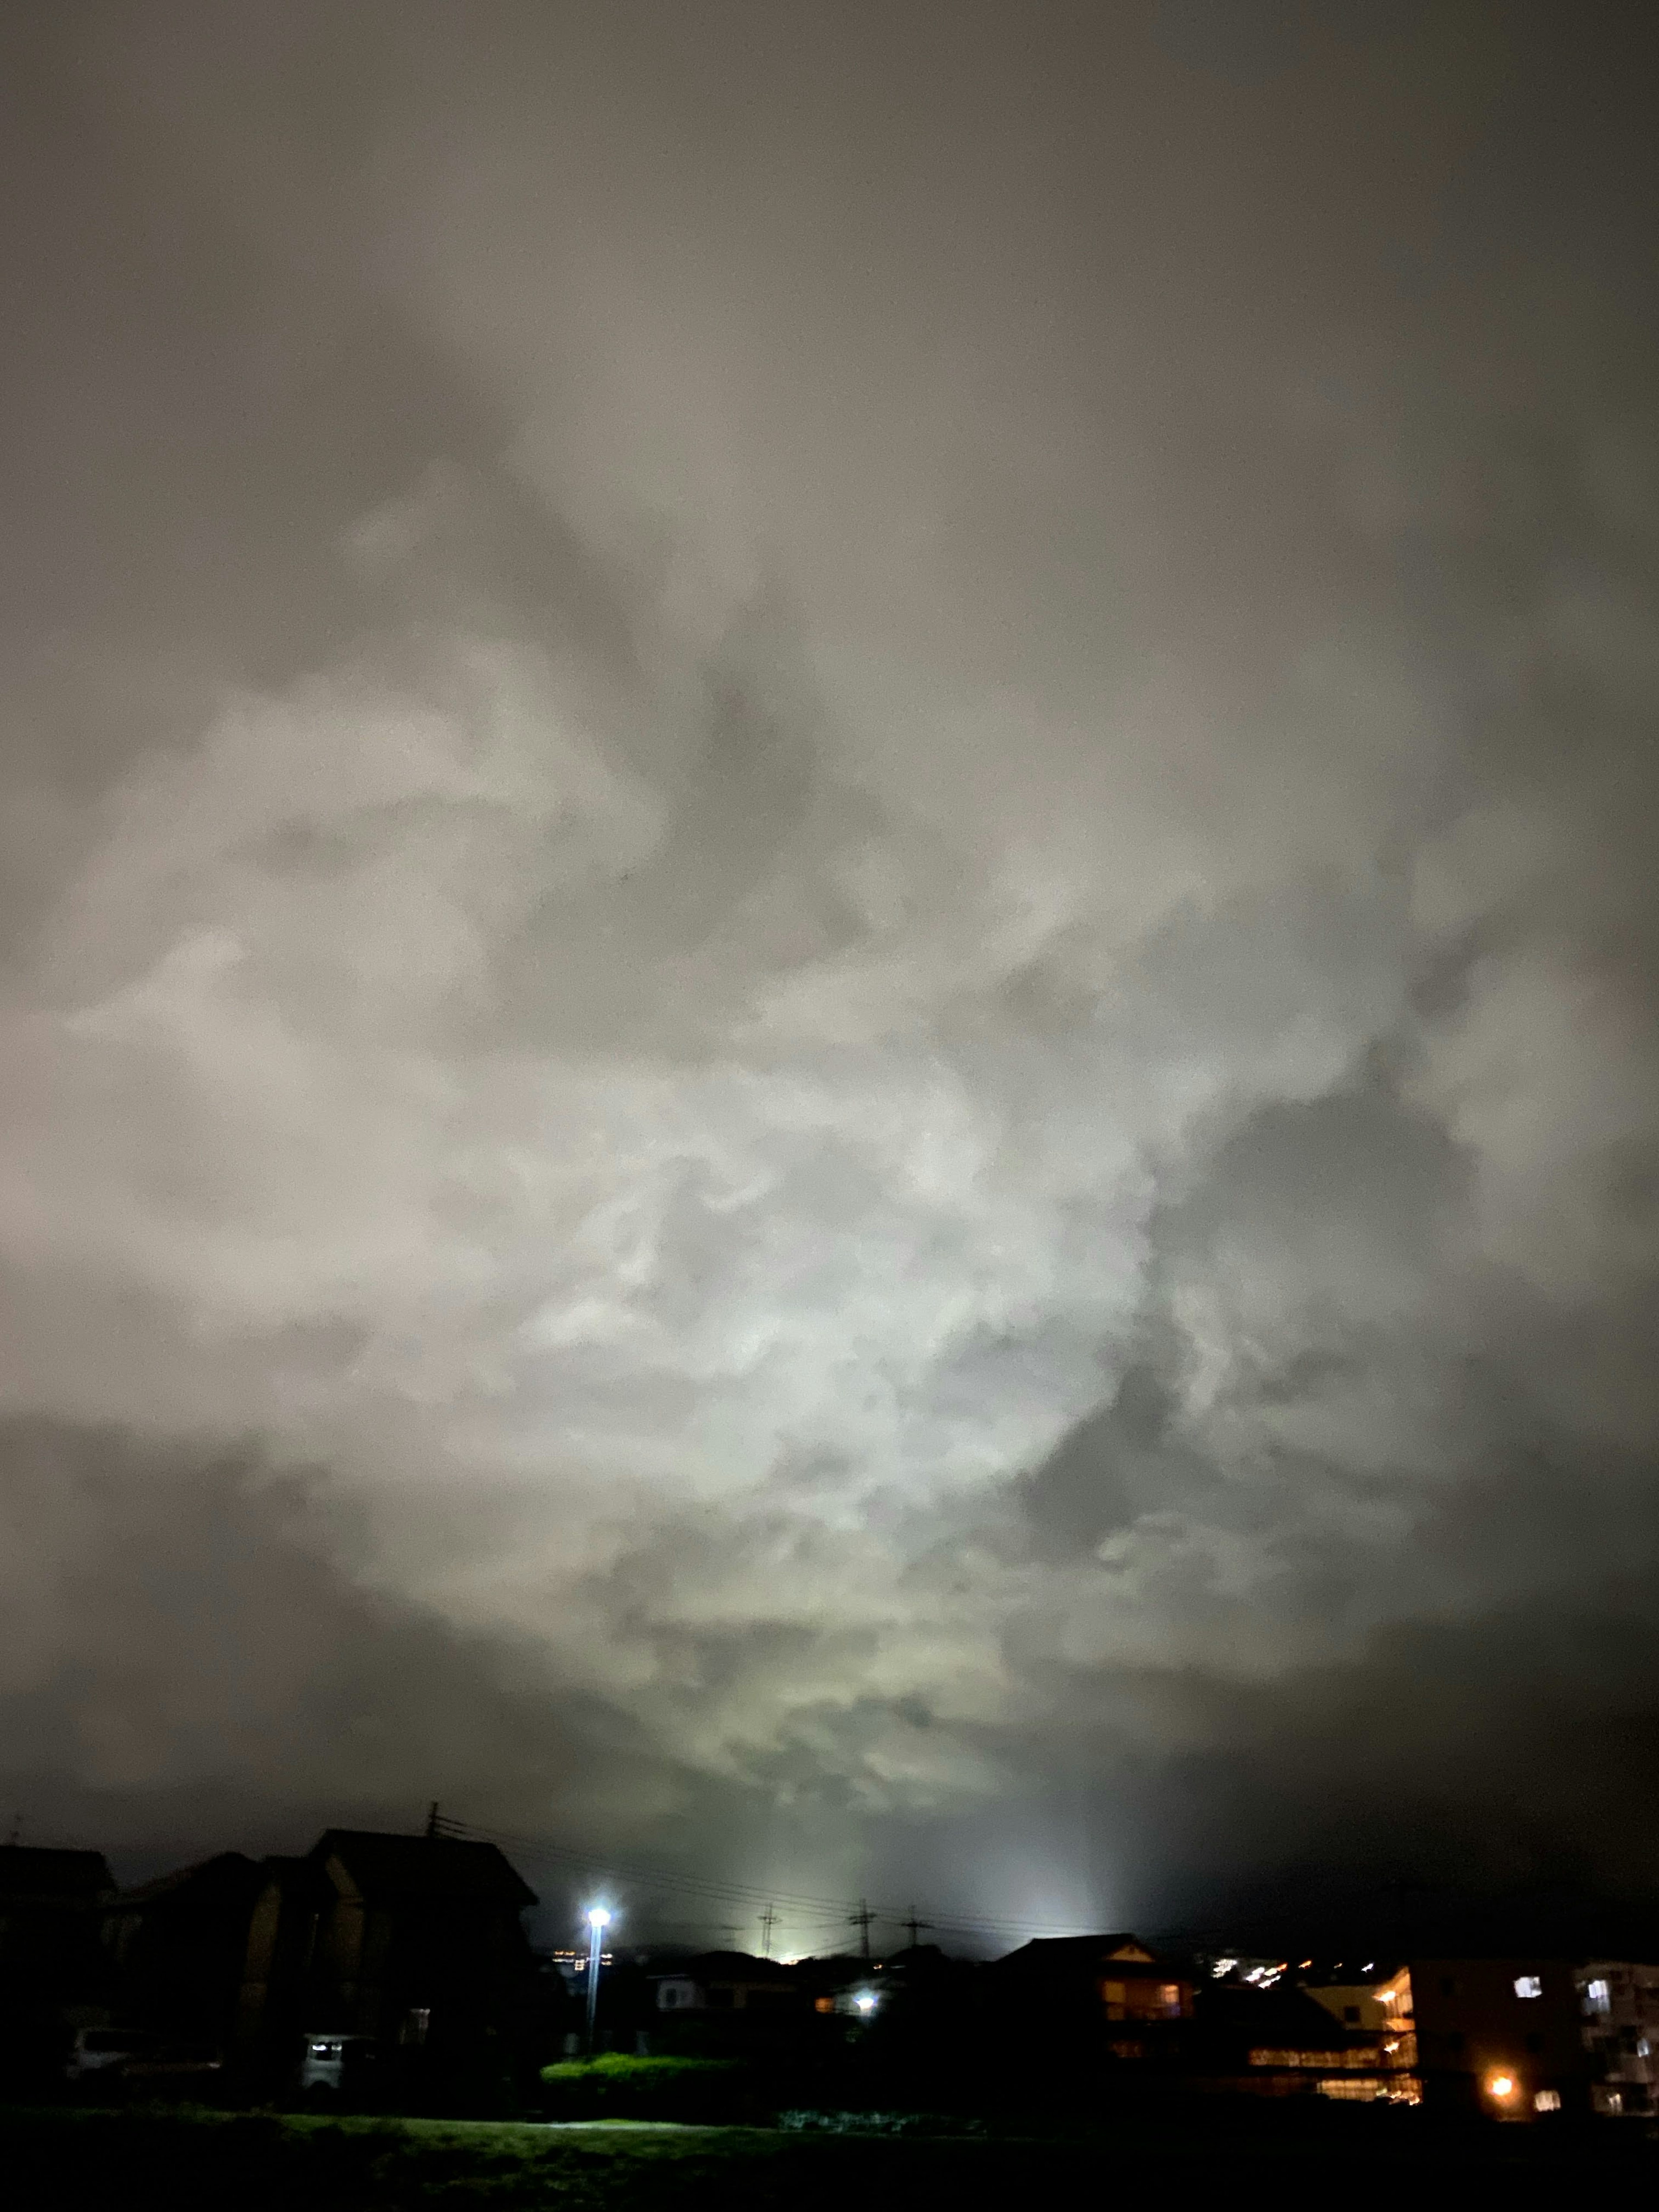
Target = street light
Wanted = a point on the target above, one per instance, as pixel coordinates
(598, 1921)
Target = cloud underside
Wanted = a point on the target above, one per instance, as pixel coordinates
(716, 1098)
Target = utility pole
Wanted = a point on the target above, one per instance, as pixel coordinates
(432, 1827)
(914, 1926)
(861, 1920)
(768, 1920)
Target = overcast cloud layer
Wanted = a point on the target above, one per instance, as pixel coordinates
(827, 1025)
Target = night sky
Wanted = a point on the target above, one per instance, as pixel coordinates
(828, 946)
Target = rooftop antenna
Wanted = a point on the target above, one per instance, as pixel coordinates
(768, 1920)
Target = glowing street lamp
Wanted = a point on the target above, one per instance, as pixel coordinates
(864, 2003)
(598, 1921)
(1501, 2086)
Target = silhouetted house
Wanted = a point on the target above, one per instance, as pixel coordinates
(52, 1967)
(1619, 2005)
(727, 1982)
(414, 1942)
(1282, 2042)
(176, 1947)
(1113, 1985)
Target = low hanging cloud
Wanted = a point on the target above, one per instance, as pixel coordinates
(912, 1045)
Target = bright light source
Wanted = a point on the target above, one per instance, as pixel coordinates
(1529, 1985)
(1500, 2085)
(598, 1917)
(865, 2000)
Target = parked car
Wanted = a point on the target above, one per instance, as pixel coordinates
(106, 2051)
(335, 2064)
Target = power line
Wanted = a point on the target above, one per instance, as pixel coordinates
(661, 1877)
(714, 1889)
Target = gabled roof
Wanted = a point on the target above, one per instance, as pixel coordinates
(65, 1877)
(1069, 1954)
(1286, 2018)
(226, 1873)
(423, 1866)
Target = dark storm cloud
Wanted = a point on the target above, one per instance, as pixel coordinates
(827, 834)
(182, 1656)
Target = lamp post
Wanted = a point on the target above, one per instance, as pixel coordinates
(598, 1921)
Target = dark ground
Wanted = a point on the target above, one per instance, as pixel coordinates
(67, 2157)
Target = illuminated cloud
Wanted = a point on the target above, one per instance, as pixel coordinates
(860, 979)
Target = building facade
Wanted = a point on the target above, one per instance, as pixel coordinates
(1499, 2036)
(54, 1973)
(1619, 2002)
(412, 1946)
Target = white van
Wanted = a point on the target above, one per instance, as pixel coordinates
(330, 2062)
(104, 2050)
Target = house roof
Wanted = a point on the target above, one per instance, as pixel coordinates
(65, 1877)
(226, 1872)
(1070, 1953)
(737, 1967)
(423, 1866)
(1283, 2018)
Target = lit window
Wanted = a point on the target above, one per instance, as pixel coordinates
(1644, 2048)
(1598, 1997)
(1546, 2100)
(1529, 1985)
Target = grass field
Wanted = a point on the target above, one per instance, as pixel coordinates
(62, 2157)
